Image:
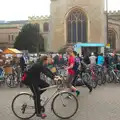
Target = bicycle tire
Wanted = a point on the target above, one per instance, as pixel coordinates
(111, 77)
(104, 78)
(11, 79)
(94, 83)
(86, 78)
(99, 77)
(12, 106)
(53, 109)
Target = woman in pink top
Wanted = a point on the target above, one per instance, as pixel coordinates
(71, 72)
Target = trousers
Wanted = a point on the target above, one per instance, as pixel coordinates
(35, 88)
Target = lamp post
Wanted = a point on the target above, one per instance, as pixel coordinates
(107, 19)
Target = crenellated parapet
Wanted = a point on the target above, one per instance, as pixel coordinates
(114, 12)
(114, 15)
(38, 18)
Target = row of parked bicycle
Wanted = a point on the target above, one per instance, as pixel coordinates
(94, 75)
(12, 78)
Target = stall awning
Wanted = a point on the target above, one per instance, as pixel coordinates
(89, 45)
(11, 51)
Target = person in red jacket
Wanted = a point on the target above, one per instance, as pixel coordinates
(71, 72)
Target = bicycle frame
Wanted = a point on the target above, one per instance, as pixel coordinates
(54, 86)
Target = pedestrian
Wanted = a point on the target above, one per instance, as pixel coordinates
(92, 59)
(100, 59)
(71, 72)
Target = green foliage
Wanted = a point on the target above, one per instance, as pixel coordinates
(30, 39)
(62, 50)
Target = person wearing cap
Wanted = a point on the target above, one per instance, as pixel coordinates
(92, 59)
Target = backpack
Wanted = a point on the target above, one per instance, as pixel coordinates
(77, 63)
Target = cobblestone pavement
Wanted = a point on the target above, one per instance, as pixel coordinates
(102, 104)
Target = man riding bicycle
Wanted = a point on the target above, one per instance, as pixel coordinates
(32, 79)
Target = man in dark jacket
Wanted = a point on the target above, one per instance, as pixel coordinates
(32, 79)
(22, 63)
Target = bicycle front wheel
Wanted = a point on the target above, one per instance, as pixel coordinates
(23, 106)
(65, 105)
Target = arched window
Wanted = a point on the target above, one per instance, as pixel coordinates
(112, 38)
(77, 27)
(46, 27)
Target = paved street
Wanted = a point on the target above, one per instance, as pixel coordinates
(102, 104)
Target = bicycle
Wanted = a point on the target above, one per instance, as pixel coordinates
(114, 74)
(13, 79)
(60, 97)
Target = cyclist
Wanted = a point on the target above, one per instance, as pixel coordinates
(32, 79)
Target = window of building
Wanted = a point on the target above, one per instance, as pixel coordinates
(9, 38)
(77, 27)
(12, 37)
(46, 27)
(112, 39)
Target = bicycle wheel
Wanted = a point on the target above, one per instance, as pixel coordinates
(99, 77)
(86, 78)
(64, 105)
(23, 106)
(94, 83)
(110, 77)
(12, 81)
(104, 78)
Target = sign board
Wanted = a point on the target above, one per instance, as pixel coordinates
(108, 46)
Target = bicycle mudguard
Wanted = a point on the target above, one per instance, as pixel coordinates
(24, 92)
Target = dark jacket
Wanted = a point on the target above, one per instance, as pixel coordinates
(86, 60)
(22, 62)
(33, 74)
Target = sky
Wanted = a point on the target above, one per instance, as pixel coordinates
(21, 9)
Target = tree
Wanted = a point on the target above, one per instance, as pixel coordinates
(30, 39)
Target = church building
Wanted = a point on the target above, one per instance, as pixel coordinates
(73, 21)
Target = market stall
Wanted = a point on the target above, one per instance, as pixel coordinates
(9, 54)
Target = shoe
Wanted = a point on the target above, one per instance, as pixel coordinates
(43, 115)
(90, 89)
(72, 91)
(77, 93)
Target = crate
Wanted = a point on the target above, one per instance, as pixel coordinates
(8, 70)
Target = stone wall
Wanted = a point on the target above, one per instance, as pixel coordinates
(8, 36)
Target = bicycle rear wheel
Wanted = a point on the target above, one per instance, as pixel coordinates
(12, 81)
(111, 77)
(65, 105)
(99, 77)
(23, 106)
(86, 78)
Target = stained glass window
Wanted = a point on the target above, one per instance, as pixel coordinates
(112, 39)
(76, 27)
(46, 27)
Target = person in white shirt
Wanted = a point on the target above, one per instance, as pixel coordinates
(92, 59)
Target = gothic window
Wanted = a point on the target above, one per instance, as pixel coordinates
(12, 37)
(112, 39)
(46, 27)
(77, 27)
(9, 38)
